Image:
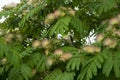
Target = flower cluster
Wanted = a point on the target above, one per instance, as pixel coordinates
(9, 37)
(62, 11)
(110, 37)
(91, 49)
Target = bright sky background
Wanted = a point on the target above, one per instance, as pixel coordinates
(3, 2)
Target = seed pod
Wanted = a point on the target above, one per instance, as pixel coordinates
(65, 56)
(36, 43)
(58, 52)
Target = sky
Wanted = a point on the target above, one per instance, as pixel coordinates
(4, 2)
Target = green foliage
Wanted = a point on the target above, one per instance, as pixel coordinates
(60, 27)
(91, 67)
(31, 49)
(59, 75)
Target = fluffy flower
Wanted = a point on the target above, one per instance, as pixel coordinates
(97, 49)
(50, 61)
(49, 18)
(71, 11)
(45, 43)
(36, 43)
(110, 43)
(57, 13)
(89, 49)
(113, 21)
(65, 56)
(9, 37)
(117, 33)
(3, 61)
(58, 52)
(19, 37)
(99, 37)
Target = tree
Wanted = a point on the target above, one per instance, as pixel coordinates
(46, 40)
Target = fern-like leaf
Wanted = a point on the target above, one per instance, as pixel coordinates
(60, 27)
(91, 67)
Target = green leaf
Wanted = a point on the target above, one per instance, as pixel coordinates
(74, 63)
(107, 5)
(1, 70)
(60, 27)
(53, 75)
(108, 65)
(31, 14)
(91, 67)
(26, 71)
